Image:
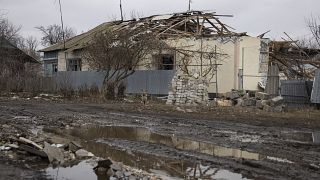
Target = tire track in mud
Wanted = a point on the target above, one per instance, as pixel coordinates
(268, 140)
(266, 169)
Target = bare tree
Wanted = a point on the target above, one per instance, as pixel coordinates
(9, 31)
(31, 44)
(314, 26)
(118, 54)
(53, 34)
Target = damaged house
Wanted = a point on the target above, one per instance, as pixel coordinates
(202, 46)
(294, 62)
(298, 69)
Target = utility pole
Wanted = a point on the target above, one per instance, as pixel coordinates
(189, 9)
(61, 19)
(63, 36)
(121, 10)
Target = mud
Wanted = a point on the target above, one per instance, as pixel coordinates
(217, 143)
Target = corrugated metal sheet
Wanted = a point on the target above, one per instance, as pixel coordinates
(154, 81)
(315, 96)
(272, 86)
(296, 92)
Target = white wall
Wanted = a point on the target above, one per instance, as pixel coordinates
(241, 53)
(231, 62)
(62, 65)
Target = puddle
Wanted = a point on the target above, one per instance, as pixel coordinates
(83, 170)
(304, 137)
(144, 134)
(94, 140)
(316, 137)
(165, 168)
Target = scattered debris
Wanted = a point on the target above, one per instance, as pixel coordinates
(81, 153)
(116, 170)
(259, 100)
(33, 150)
(54, 154)
(224, 103)
(262, 96)
(233, 95)
(74, 146)
(276, 101)
(4, 148)
(29, 142)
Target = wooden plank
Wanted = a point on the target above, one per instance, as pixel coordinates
(32, 150)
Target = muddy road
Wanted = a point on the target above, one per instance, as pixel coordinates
(207, 143)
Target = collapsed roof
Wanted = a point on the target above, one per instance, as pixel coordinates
(294, 61)
(186, 24)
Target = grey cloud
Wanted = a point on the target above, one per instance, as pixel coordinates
(252, 16)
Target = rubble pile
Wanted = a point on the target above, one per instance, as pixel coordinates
(259, 100)
(23, 146)
(116, 170)
(188, 90)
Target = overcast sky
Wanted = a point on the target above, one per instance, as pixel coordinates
(252, 16)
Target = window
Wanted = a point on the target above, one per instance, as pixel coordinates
(50, 68)
(54, 68)
(50, 55)
(74, 65)
(166, 62)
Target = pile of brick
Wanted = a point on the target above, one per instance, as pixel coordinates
(188, 90)
(259, 100)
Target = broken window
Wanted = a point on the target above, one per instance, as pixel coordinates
(166, 62)
(54, 68)
(74, 64)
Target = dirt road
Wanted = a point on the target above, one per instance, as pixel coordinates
(209, 143)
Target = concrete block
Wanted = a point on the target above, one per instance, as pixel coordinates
(268, 108)
(276, 101)
(232, 95)
(239, 102)
(279, 108)
(262, 96)
(224, 103)
(249, 102)
(261, 103)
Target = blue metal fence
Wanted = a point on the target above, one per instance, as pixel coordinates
(296, 92)
(155, 82)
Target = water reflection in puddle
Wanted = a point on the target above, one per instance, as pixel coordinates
(144, 134)
(304, 137)
(83, 170)
(316, 137)
(162, 167)
(166, 168)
